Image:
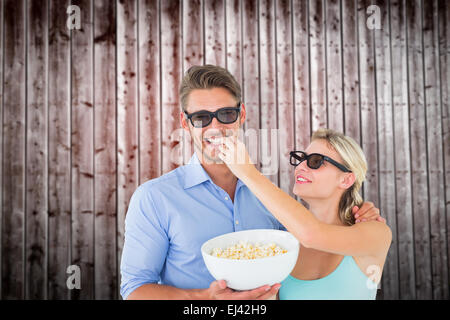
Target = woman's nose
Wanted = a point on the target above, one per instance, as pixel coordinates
(302, 166)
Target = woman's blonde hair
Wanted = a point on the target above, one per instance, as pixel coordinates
(354, 159)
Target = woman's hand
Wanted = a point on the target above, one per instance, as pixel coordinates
(367, 212)
(234, 154)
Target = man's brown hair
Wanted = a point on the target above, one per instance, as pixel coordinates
(208, 77)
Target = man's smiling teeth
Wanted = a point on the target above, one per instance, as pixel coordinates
(302, 179)
(214, 140)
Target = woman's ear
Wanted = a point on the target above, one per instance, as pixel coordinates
(348, 180)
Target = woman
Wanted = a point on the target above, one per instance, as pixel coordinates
(338, 259)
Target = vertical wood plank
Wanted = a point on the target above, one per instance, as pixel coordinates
(368, 103)
(59, 152)
(193, 46)
(334, 65)
(444, 68)
(83, 151)
(250, 88)
(385, 133)
(36, 162)
(300, 69)
(233, 39)
(269, 155)
(317, 58)
(285, 93)
(418, 147)
(149, 90)
(215, 46)
(105, 269)
(127, 113)
(300, 51)
(436, 196)
(400, 104)
(170, 66)
(14, 151)
(1, 136)
(352, 113)
(192, 34)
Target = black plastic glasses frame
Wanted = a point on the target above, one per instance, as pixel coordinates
(293, 154)
(215, 114)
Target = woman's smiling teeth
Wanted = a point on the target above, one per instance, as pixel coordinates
(302, 179)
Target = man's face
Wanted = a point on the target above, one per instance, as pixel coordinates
(210, 100)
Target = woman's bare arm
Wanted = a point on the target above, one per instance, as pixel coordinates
(362, 239)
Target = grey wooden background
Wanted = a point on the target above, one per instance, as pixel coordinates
(87, 115)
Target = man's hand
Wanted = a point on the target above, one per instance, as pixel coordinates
(367, 212)
(218, 290)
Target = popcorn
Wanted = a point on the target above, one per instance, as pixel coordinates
(246, 251)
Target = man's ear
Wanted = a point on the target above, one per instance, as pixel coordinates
(183, 121)
(243, 114)
(348, 180)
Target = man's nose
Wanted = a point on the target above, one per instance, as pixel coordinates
(215, 124)
(214, 128)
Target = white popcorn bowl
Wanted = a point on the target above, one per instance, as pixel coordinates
(253, 273)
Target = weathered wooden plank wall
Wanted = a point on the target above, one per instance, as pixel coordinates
(403, 212)
(59, 153)
(14, 152)
(105, 139)
(89, 114)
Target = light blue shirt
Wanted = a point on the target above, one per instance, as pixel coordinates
(170, 217)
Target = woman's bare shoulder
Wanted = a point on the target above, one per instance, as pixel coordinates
(382, 231)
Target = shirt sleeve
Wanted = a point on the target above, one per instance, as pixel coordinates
(281, 227)
(146, 243)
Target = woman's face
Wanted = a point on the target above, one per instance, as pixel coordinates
(322, 183)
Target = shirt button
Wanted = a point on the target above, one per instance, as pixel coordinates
(237, 221)
(226, 198)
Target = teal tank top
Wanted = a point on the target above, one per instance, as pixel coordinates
(346, 282)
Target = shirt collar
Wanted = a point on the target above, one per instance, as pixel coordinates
(196, 174)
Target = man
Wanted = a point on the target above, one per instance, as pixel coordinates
(170, 217)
